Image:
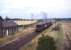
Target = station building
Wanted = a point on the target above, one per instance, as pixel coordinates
(7, 27)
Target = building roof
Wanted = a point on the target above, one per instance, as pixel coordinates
(9, 24)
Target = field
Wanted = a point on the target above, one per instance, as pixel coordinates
(25, 22)
(67, 35)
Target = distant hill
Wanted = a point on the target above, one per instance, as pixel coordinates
(62, 19)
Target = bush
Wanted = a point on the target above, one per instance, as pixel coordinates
(46, 43)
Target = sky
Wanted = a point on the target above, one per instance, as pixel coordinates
(35, 8)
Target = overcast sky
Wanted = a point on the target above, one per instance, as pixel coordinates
(25, 8)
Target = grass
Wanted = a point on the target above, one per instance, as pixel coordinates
(60, 38)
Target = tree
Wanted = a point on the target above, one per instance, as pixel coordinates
(46, 43)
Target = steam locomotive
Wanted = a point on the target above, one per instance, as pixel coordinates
(42, 26)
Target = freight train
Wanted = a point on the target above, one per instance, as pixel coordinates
(42, 26)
